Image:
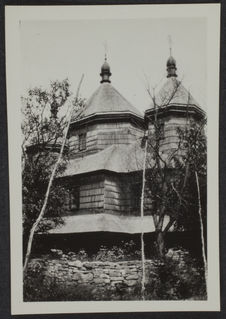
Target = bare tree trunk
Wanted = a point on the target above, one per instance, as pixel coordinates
(201, 228)
(142, 222)
(160, 241)
(42, 212)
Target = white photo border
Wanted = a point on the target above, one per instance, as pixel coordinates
(13, 16)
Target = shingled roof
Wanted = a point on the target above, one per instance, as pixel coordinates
(173, 93)
(106, 99)
(106, 222)
(115, 158)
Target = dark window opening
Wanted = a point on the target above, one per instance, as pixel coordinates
(82, 142)
(136, 196)
(74, 198)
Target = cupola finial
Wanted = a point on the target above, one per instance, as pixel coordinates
(171, 62)
(105, 71)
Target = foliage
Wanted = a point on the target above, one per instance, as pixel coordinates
(43, 131)
(125, 252)
(193, 146)
(177, 280)
(40, 107)
(170, 177)
(193, 158)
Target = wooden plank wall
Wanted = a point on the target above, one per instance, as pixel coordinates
(171, 139)
(108, 193)
(100, 136)
(92, 194)
(116, 195)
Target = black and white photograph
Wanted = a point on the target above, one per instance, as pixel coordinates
(113, 157)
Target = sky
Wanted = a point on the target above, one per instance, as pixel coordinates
(137, 51)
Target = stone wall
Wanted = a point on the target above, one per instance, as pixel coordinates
(63, 277)
(70, 271)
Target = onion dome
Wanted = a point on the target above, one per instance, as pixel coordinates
(171, 67)
(105, 72)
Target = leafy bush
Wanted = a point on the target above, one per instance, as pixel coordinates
(177, 280)
(126, 251)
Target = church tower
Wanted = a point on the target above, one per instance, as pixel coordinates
(107, 119)
(173, 107)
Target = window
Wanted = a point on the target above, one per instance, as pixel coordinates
(73, 200)
(136, 196)
(82, 141)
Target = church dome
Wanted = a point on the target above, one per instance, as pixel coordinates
(105, 67)
(171, 61)
(171, 67)
(105, 72)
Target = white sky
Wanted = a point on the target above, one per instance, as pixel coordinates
(54, 50)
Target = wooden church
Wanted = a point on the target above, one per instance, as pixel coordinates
(104, 173)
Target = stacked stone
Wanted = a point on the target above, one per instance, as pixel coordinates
(69, 272)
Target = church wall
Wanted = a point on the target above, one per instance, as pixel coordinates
(116, 195)
(122, 195)
(171, 124)
(91, 195)
(108, 193)
(99, 136)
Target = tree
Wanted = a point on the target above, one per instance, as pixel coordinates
(44, 154)
(168, 176)
(194, 155)
(42, 133)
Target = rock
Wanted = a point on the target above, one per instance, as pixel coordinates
(88, 265)
(130, 282)
(131, 263)
(99, 280)
(114, 283)
(87, 277)
(71, 254)
(116, 278)
(123, 272)
(64, 258)
(106, 271)
(57, 252)
(104, 276)
(106, 281)
(76, 263)
(115, 273)
(76, 276)
(132, 277)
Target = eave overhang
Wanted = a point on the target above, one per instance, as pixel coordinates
(109, 117)
(179, 110)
